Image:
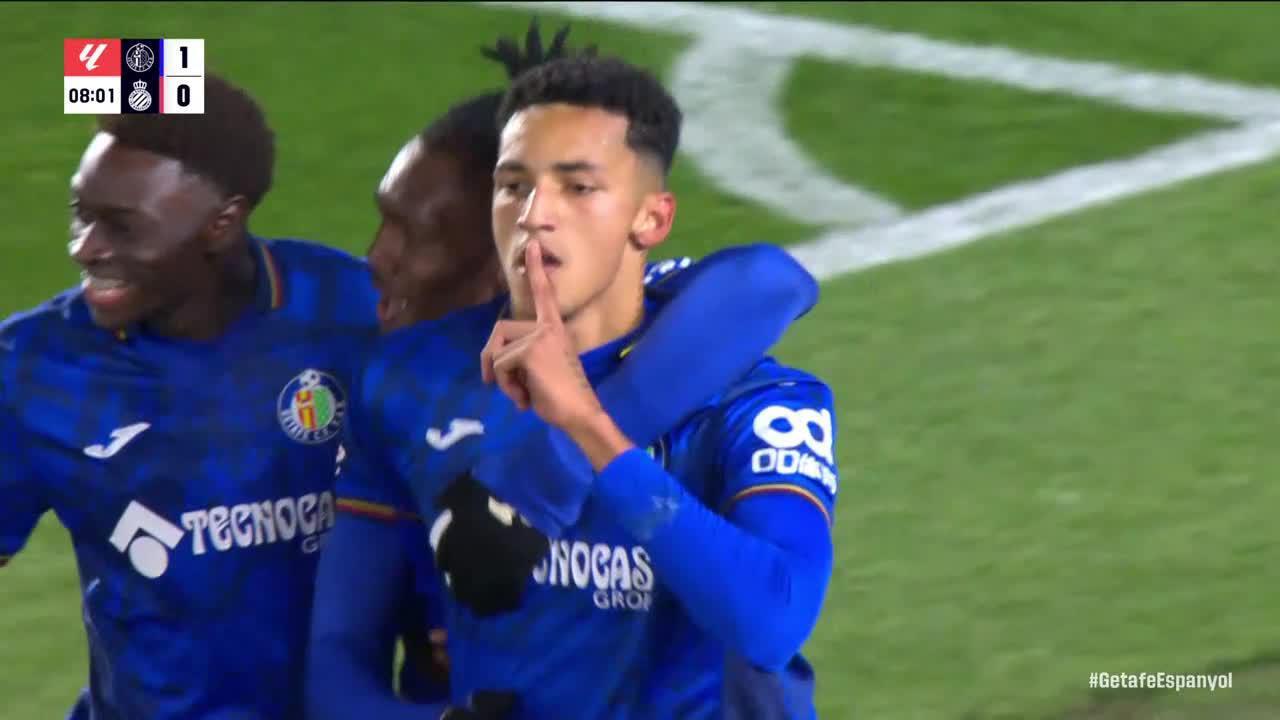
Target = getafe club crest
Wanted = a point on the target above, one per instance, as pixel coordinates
(139, 58)
(311, 407)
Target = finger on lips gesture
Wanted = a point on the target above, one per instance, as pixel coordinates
(546, 309)
(514, 345)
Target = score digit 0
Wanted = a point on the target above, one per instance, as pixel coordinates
(184, 96)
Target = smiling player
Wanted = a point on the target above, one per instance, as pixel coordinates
(179, 412)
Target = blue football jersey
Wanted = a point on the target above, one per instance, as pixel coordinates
(420, 392)
(195, 480)
(598, 635)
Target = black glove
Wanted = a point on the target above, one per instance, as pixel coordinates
(484, 705)
(485, 550)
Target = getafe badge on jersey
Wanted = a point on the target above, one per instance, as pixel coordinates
(311, 408)
(109, 76)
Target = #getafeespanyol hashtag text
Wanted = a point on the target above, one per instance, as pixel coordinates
(1160, 681)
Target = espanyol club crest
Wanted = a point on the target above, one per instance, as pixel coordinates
(311, 407)
(140, 99)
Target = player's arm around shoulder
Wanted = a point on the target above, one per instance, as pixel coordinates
(756, 275)
(737, 301)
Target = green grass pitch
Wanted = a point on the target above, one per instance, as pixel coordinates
(1057, 445)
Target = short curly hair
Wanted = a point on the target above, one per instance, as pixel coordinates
(610, 84)
(230, 145)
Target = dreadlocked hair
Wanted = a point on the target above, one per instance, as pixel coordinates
(230, 145)
(468, 129)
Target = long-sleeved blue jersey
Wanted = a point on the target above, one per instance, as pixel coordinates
(688, 581)
(195, 479)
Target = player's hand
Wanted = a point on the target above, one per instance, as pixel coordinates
(535, 362)
(486, 551)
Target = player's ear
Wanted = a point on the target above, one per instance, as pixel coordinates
(225, 227)
(653, 221)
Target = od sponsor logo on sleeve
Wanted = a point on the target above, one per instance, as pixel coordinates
(799, 442)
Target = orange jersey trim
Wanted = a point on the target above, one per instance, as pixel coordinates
(377, 511)
(782, 488)
(274, 278)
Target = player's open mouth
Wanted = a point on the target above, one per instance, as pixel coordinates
(549, 261)
(105, 293)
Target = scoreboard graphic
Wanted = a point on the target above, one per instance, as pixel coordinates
(115, 76)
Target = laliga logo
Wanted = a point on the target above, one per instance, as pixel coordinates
(140, 98)
(90, 53)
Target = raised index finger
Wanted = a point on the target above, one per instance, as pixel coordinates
(545, 307)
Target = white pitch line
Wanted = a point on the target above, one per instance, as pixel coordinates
(864, 45)
(736, 139)
(1024, 204)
